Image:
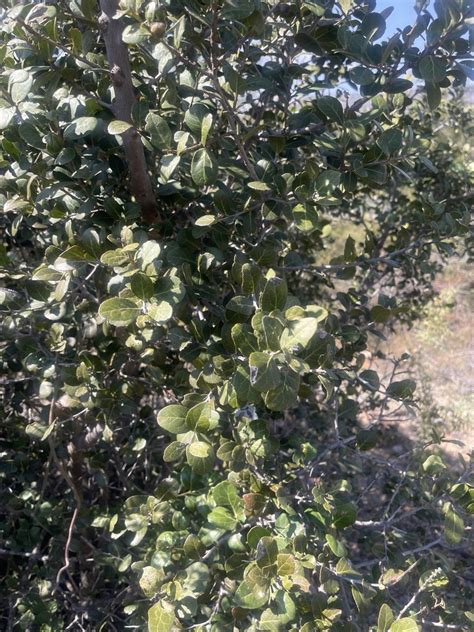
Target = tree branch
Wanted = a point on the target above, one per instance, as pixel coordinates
(121, 76)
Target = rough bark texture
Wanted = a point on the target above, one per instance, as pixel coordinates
(120, 73)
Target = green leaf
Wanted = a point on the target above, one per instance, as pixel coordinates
(362, 594)
(362, 76)
(373, 26)
(243, 389)
(150, 580)
(179, 30)
(6, 117)
(350, 253)
(76, 253)
(46, 274)
(206, 220)
(267, 551)
(390, 141)
(326, 183)
(203, 168)
(264, 372)
(238, 9)
(243, 338)
(453, 526)
(222, 518)
(135, 34)
(285, 564)
(380, 314)
(160, 311)
(240, 308)
(119, 311)
(259, 186)
(30, 135)
(433, 93)
(274, 295)
(251, 596)
(385, 618)
(395, 86)
(434, 464)
(225, 494)
(272, 329)
(345, 515)
(407, 624)
(306, 42)
(299, 334)
(202, 417)
(161, 135)
(142, 286)
(169, 164)
(254, 535)
(200, 456)
(282, 610)
(432, 69)
(346, 5)
(174, 451)
(148, 253)
(172, 418)
(376, 173)
(19, 85)
(82, 126)
(118, 127)
(197, 578)
(370, 378)
(305, 218)
(336, 546)
(402, 390)
(65, 156)
(195, 116)
(168, 292)
(161, 617)
(250, 278)
(206, 125)
(286, 394)
(194, 547)
(331, 108)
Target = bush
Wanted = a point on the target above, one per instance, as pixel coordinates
(192, 432)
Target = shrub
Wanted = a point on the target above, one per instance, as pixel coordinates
(192, 433)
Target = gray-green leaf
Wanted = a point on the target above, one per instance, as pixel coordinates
(407, 624)
(331, 108)
(19, 85)
(432, 68)
(161, 135)
(161, 617)
(385, 618)
(453, 526)
(119, 311)
(118, 127)
(203, 168)
(172, 418)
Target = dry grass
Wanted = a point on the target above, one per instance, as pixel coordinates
(442, 348)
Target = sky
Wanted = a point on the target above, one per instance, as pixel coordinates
(403, 14)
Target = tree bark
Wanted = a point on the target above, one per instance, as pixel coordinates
(121, 76)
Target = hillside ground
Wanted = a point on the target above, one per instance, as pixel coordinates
(441, 347)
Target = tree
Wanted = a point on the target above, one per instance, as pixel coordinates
(185, 370)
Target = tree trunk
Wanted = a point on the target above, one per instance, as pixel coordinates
(120, 73)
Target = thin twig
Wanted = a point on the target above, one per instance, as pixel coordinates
(64, 568)
(56, 44)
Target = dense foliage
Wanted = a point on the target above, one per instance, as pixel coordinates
(194, 431)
